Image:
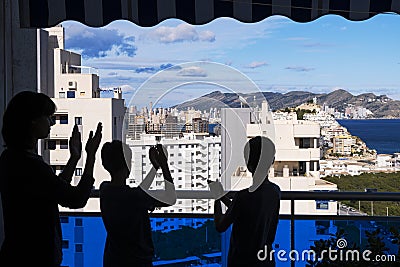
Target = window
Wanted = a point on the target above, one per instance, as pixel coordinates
(63, 119)
(61, 94)
(78, 172)
(322, 204)
(78, 222)
(64, 219)
(78, 247)
(179, 162)
(78, 120)
(305, 143)
(65, 244)
(51, 144)
(70, 94)
(63, 144)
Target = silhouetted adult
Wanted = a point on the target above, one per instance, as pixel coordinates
(125, 210)
(30, 190)
(254, 211)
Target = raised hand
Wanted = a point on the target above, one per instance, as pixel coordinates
(75, 144)
(153, 155)
(162, 158)
(93, 141)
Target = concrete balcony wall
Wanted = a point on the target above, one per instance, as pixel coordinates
(304, 154)
(62, 131)
(306, 130)
(59, 156)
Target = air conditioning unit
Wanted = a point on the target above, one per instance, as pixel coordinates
(72, 85)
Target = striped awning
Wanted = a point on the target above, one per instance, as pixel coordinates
(46, 13)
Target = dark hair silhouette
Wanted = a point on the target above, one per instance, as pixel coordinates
(23, 108)
(259, 149)
(115, 156)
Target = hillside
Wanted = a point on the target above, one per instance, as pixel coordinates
(381, 106)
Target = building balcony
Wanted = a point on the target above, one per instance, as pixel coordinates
(84, 233)
(301, 154)
(59, 156)
(61, 131)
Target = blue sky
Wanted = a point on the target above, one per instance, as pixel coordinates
(277, 54)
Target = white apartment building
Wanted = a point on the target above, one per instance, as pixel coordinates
(193, 159)
(77, 97)
(344, 167)
(343, 144)
(296, 166)
(384, 160)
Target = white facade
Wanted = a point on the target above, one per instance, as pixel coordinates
(296, 159)
(193, 159)
(343, 145)
(384, 160)
(77, 97)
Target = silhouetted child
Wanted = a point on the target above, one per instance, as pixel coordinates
(125, 210)
(254, 211)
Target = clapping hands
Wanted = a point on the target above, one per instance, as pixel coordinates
(93, 141)
(158, 156)
(75, 144)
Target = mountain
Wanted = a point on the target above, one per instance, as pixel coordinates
(381, 106)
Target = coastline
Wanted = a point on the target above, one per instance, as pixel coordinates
(377, 134)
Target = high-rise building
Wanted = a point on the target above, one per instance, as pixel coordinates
(76, 93)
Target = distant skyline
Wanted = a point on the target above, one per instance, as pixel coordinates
(279, 55)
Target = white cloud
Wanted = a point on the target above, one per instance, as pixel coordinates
(181, 33)
(256, 64)
(299, 68)
(126, 88)
(98, 42)
(193, 71)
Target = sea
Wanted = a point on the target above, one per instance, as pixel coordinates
(383, 135)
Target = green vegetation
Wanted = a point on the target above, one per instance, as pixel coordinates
(383, 182)
(300, 113)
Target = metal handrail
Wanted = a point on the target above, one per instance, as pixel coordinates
(294, 195)
(285, 195)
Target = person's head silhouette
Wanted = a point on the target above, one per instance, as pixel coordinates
(28, 117)
(259, 154)
(116, 158)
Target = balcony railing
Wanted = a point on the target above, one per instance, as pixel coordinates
(319, 222)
